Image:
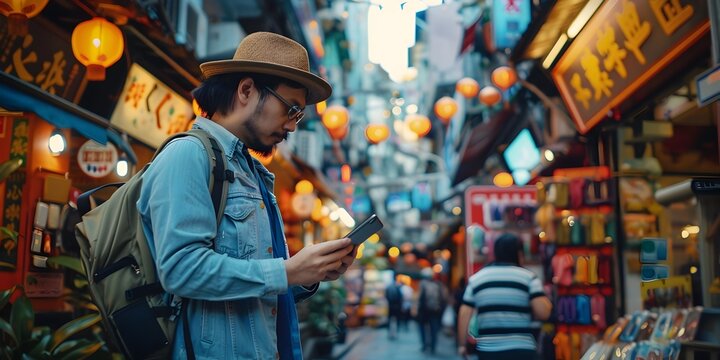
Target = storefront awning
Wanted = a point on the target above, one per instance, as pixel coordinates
(478, 145)
(18, 95)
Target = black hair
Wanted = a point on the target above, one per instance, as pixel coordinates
(217, 93)
(507, 249)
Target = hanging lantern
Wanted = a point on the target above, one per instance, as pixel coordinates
(335, 117)
(419, 124)
(338, 133)
(304, 187)
(503, 179)
(320, 107)
(377, 133)
(97, 44)
(490, 96)
(468, 87)
(504, 77)
(445, 108)
(18, 12)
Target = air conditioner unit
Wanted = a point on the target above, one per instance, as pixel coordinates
(224, 37)
(192, 26)
(309, 147)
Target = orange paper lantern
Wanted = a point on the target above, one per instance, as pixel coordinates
(335, 117)
(18, 12)
(468, 87)
(97, 44)
(504, 77)
(490, 96)
(377, 133)
(445, 108)
(419, 124)
(338, 133)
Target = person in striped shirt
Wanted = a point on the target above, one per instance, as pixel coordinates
(505, 298)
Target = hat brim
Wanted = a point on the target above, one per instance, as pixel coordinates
(318, 88)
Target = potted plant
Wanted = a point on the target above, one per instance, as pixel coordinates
(318, 319)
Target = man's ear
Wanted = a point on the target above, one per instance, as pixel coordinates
(244, 90)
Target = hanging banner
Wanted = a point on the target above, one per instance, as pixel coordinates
(97, 160)
(44, 58)
(625, 44)
(149, 110)
(510, 18)
(13, 195)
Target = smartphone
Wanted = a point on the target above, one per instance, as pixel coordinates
(366, 229)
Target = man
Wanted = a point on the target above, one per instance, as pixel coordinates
(394, 297)
(431, 303)
(240, 282)
(506, 297)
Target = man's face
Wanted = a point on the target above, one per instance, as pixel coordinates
(269, 124)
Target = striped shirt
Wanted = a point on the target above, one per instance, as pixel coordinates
(501, 296)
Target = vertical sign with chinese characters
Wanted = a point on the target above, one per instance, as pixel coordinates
(13, 191)
(510, 18)
(42, 57)
(623, 46)
(149, 110)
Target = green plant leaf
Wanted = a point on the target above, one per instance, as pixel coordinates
(7, 329)
(83, 352)
(22, 318)
(8, 167)
(41, 349)
(69, 262)
(73, 327)
(9, 234)
(5, 296)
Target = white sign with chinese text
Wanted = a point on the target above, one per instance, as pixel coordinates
(97, 160)
(149, 110)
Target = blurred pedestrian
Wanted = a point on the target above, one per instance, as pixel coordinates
(407, 294)
(394, 296)
(431, 303)
(506, 298)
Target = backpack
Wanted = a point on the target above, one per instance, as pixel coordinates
(120, 269)
(433, 296)
(394, 296)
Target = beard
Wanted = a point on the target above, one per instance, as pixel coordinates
(252, 128)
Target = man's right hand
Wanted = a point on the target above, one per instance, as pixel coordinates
(315, 263)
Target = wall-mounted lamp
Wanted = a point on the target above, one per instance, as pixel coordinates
(57, 142)
(123, 166)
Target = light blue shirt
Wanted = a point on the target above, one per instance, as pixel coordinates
(229, 272)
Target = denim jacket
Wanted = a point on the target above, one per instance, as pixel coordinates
(228, 271)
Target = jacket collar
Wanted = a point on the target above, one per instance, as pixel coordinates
(230, 143)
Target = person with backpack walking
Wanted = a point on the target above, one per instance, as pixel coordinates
(504, 298)
(238, 283)
(394, 297)
(431, 303)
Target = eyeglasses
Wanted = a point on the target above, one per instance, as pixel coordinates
(295, 112)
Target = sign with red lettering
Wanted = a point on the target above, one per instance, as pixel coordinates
(97, 160)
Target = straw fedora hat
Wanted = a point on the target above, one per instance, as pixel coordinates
(272, 54)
